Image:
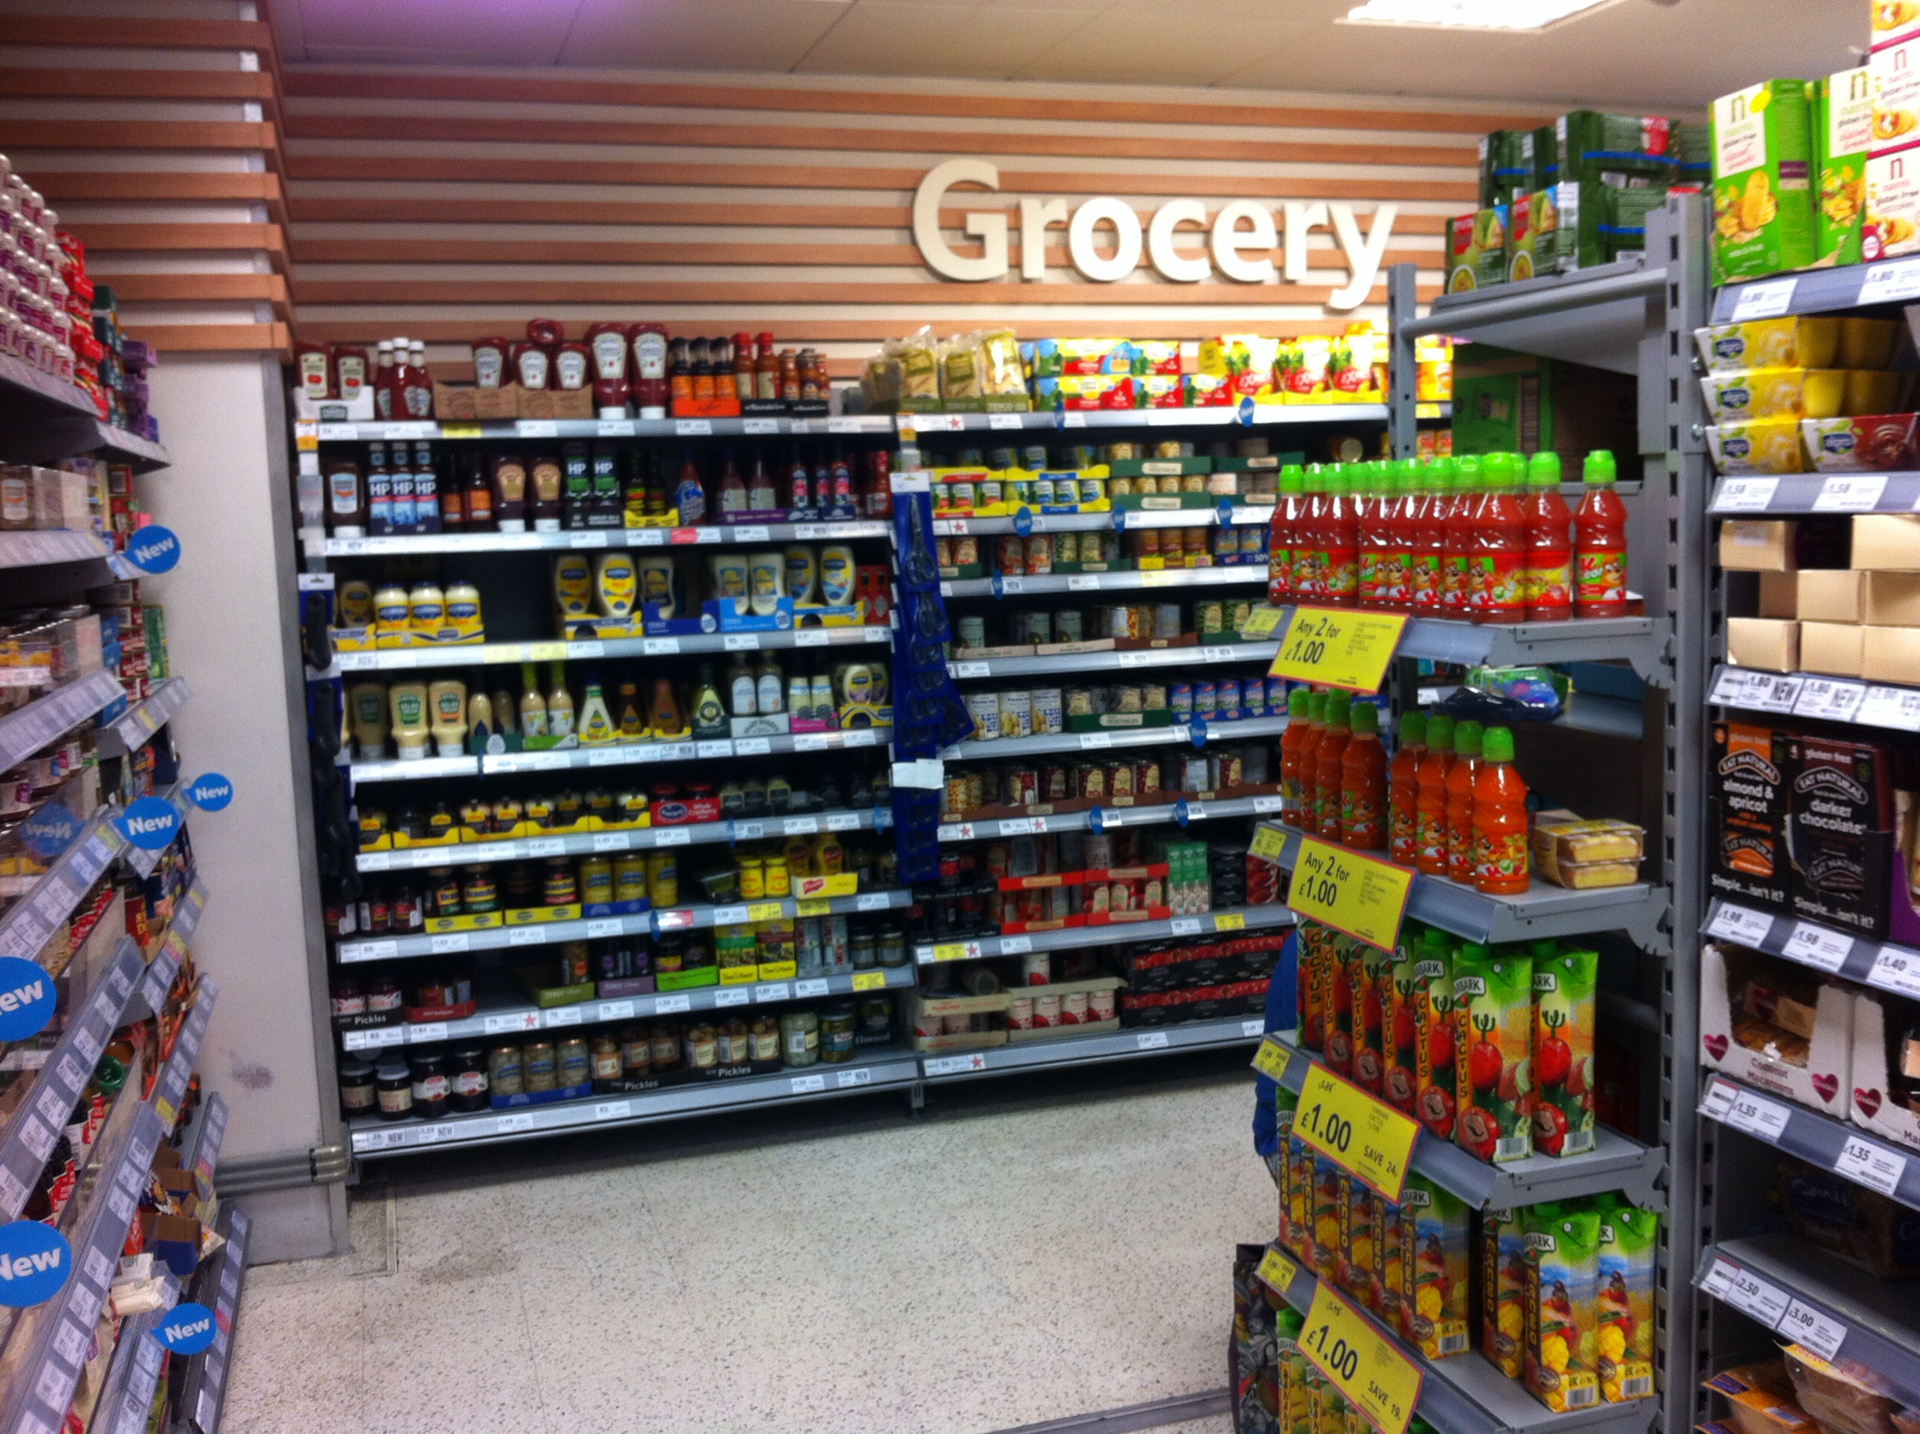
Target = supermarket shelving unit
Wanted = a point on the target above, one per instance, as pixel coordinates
(1760, 1290)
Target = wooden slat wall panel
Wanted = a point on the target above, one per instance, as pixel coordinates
(101, 174)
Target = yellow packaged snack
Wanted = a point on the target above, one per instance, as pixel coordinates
(1764, 445)
(1792, 342)
(1773, 393)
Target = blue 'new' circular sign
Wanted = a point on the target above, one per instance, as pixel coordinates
(187, 1329)
(210, 792)
(153, 549)
(27, 999)
(150, 823)
(35, 1260)
(50, 831)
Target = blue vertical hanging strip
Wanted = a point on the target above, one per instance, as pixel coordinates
(928, 714)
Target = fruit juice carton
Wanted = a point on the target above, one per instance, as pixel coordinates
(1386, 1260)
(1503, 1290)
(1762, 191)
(1624, 1299)
(1285, 1102)
(1368, 969)
(1563, 1268)
(1328, 1411)
(1353, 1266)
(1291, 1408)
(1843, 133)
(1435, 1251)
(1323, 1231)
(1300, 1175)
(1309, 961)
(1563, 1022)
(1493, 1025)
(1400, 1079)
(1343, 961)
(1434, 1053)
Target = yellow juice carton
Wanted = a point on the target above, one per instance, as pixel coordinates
(1563, 1271)
(1323, 1241)
(1386, 1260)
(1300, 1158)
(1503, 1290)
(1624, 1301)
(1292, 1407)
(1353, 1267)
(1327, 1408)
(1435, 1238)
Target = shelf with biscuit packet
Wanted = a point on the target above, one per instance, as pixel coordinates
(1818, 1139)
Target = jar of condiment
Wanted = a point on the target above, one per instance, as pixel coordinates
(519, 883)
(605, 1054)
(836, 1032)
(753, 877)
(429, 1085)
(865, 951)
(504, 1074)
(539, 1071)
(575, 1068)
(736, 1046)
(703, 1047)
(558, 886)
(596, 881)
(764, 1036)
(636, 1053)
(799, 1037)
(629, 877)
(443, 892)
(875, 1018)
(893, 947)
(478, 893)
(394, 1090)
(359, 1090)
(349, 998)
(666, 1049)
(383, 996)
(467, 1078)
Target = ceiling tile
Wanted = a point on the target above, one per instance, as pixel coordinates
(769, 36)
(494, 32)
(982, 40)
(1150, 42)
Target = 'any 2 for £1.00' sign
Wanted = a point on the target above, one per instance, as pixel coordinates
(1337, 647)
(1360, 895)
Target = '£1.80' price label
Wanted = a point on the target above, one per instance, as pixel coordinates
(1362, 1363)
(1362, 896)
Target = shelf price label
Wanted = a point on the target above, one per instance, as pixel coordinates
(1337, 648)
(1746, 1292)
(1276, 1271)
(1364, 1137)
(1870, 1163)
(1271, 1059)
(1365, 898)
(1363, 1365)
(1815, 1329)
(1268, 842)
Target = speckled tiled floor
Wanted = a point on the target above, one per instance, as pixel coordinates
(990, 1265)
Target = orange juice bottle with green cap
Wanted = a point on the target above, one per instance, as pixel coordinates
(1327, 766)
(1428, 516)
(1599, 543)
(1549, 573)
(1363, 783)
(1340, 539)
(1499, 818)
(1306, 816)
(1430, 797)
(1403, 790)
(1291, 742)
(1284, 535)
(1497, 591)
(1457, 539)
(1466, 761)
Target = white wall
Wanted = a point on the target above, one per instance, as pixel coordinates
(231, 634)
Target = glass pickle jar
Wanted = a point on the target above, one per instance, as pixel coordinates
(359, 1090)
(504, 1070)
(836, 1032)
(799, 1037)
(875, 1021)
(764, 1036)
(605, 1054)
(703, 1047)
(538, 1067)
(572, 1067)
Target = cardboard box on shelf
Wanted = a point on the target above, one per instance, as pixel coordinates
(1779, 595)
(1840, 832)
(1770, 644)
(1758, 545)
(1890, 226)
(1891, 599)
(1832, 648)
(1893, 83)
(1829, 595)
(1747, 815)
(1843, 133)
(1871, 1104)
(1815, 1072)
(1762, 194)
(1890, 654)
(1886, 540)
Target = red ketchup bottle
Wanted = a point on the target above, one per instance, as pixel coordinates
(1600, 543)
(1455, 579)
(389, 403)
(649, 345)
(350, 374)
(1549, 573)
(490, 363)
(314, 364)
(608, 343)
(1499, 544)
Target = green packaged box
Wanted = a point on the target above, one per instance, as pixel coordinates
(1505, 165)
(1564, 982)
(1613, 149)
(1568, 226)
(1493, 1034)
(1694, 153)
(1762, 194)
(1477, 250)
(1546, 157)
(1563, 1273)
(1524, 237)
(1842, 135)
(1623, 228)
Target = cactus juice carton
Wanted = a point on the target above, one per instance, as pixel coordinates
(1353, 1267)
(1762, 195)
(1291, 1406)
(1563, 1017)
(1503, 1289)
(1563, 1270)
(1404, 993)
(1624, 1299)
(1323, 1237)
(1310, 958)
(1434, 1036)
(1434, 1255)
(1386, 1260)
(1493, 1025)
(1369, 974)
(1343, 965)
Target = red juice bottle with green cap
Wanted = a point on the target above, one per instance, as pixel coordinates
(1499, 818)
(1283, 534)
(1466, 761)
(1457, 550)
(1309, 579)
(1403, 496)
(1549, 572)
(1292, 742)
(1372, 513)
(1363, 783)
(1429, 542)
(1600, 543)
(1430, 802)
(1499, 545)
(1327, 766)
(1306, 815)
(1403, 790)
(1340, 540)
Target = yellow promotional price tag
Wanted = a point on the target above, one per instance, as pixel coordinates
(1276, 1271)
(459, 430)
(766, 910)
(1360, 895)
(950, 951)
(1271, 1059)
(1364, 1137)
(1268, 842)
(813, 908)
(1230, 921)
(1261, 622)
(1363, 1364)
(869, 980)
(1338, 648)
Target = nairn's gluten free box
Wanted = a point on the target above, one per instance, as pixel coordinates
(1843, 134)
(1762, 195)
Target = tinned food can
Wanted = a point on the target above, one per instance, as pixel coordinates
(1055, 782)
(1049, 713)
(1209, 618)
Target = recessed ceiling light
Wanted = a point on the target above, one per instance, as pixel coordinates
(1469, 14)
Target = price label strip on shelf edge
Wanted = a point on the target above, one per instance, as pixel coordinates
(1870, 1163)
(1271, 1059)
(1778, 1311)
(1364, 1137)
(1365, 898)
(1338, 648)
(1277, 1271)
(1362, 1363)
